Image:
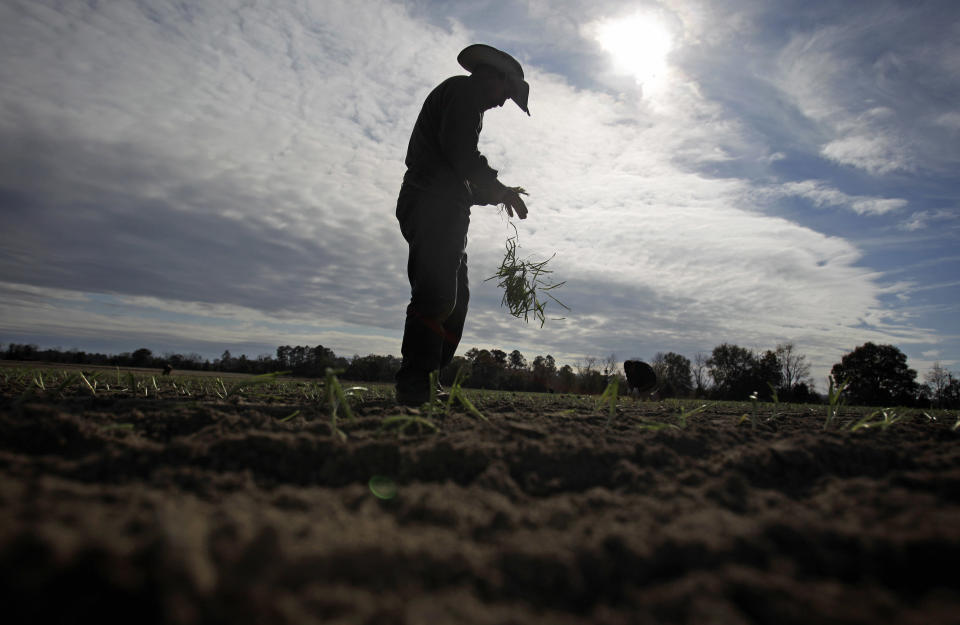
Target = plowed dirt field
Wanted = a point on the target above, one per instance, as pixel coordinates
(157, 507)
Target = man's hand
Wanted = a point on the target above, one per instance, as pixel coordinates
(513, 202)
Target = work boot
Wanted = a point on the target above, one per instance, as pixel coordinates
(411, 396)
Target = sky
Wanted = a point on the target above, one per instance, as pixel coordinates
(194, 176)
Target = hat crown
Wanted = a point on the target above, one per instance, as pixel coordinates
(479, 54)
(482, 54)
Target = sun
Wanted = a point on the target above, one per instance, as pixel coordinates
(638, 46)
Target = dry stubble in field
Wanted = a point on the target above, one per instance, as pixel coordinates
(180, 501)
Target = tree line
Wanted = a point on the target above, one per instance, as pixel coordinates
(872, 375)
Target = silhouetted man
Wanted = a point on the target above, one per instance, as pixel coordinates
(446, 175)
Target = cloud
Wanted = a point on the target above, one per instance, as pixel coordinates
(228, 172)
(876, 154)
(73, 319)
(821, 195)
(949, 120)
(878, 84)
(922, 219)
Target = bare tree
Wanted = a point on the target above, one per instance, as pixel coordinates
(794, 366)
(938, 378)
(585, 365)
(700, 372)
(610, 365)
(659, 364)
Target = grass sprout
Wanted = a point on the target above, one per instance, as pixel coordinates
(754, 408)
(290, 416)
(834, 401)
(238, 388)
(457, 394)
(685, 414)
(776, 402)
(402, 422)
(888, 418)
(91, 387)
(336, 397)
(524, 284)
(67, 381)
(656, 427)
(609, 397)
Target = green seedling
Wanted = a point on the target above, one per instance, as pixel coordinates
(888, 418)
(314, 392)
(221, 392)
(91, 387)
(834, 401)
(685, 414)
(776, 402)
(523, 281)
(290, 416)
(67, 381)
(457, 394)
(402, 422)
(609, 398)
(752, 415)
(336, 397)
(238, 388)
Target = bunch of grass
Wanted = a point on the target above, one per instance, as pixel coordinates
(524, 284)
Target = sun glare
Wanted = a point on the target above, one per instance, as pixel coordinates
(638, 46)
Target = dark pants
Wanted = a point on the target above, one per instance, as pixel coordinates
(436, 230)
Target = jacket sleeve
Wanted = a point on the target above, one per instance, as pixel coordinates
(459, 135)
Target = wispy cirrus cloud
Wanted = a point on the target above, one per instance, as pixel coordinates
(923, 219)
(822, 195)
(875, 81)
(229, 171)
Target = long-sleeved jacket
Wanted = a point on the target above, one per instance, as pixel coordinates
(442, 156)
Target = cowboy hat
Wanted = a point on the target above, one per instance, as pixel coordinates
(479, 54)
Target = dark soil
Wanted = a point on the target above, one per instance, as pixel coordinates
(173, 511)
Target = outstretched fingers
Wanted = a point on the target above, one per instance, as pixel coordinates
(514, 202)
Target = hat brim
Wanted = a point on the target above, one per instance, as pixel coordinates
(478, 54)
(520, 93)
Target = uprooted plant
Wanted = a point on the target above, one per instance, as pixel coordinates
(524, 284)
